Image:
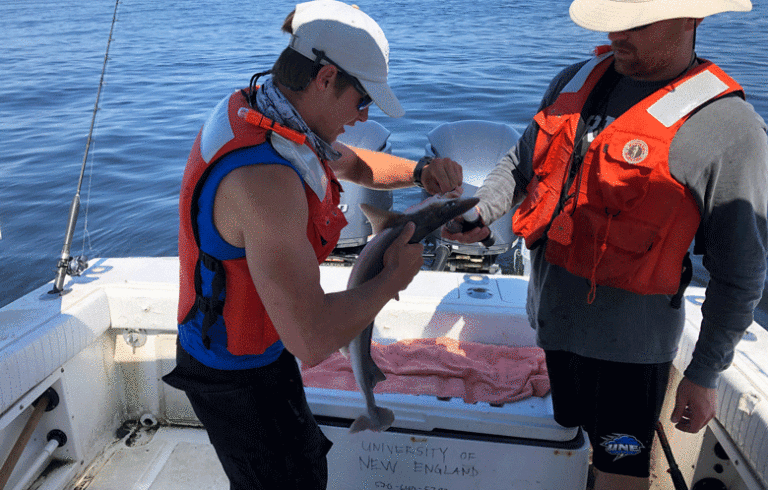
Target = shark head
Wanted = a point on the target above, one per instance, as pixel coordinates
(435, 211)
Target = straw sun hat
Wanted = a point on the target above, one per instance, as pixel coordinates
(620, 15)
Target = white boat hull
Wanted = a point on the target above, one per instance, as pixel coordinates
(104, 346)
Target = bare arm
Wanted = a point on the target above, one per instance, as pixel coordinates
(378, 170)
(263, 209)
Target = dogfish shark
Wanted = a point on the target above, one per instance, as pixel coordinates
(428, 216)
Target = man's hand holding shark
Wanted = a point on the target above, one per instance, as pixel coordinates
(313, 324)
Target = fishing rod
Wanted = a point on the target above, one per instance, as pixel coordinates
(68, 265)
(674, 471)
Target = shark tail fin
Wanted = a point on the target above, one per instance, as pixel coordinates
(380, 421)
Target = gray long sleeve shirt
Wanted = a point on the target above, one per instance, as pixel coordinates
(721, 155)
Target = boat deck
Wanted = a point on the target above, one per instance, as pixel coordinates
(162, 458)
(174, 458)
(158, 458)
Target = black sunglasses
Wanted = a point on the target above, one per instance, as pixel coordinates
(365, 100)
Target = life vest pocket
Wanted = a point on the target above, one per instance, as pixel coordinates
(623, 173)
(552, 156)
(628, 236)
(533, 215)
(554, 147)
(611, 247)
(327, 230)
(326, 225)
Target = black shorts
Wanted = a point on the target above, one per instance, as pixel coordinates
(616, 403)
(258, 422)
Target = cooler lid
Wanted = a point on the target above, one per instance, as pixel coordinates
(531, 418)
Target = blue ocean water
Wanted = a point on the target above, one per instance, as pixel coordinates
(170, 62)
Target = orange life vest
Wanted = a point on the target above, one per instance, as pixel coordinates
(231, 294)
(629, 223)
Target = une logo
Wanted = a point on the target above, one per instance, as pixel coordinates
(621, 445)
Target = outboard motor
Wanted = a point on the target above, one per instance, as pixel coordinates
(369, 135)
(477, 146)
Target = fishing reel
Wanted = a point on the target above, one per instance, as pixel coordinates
(67, 266)
(75, 266)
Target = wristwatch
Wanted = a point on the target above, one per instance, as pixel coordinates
(419, 168)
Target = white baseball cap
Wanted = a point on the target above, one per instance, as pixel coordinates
(331, 31)
(620, 15)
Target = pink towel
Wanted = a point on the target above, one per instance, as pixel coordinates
(444, 367)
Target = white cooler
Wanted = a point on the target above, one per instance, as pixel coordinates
(449, 444)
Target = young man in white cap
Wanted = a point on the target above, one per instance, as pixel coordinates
(258, 212)
(633, 154)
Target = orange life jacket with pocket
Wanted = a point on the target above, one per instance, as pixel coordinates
(624, 221)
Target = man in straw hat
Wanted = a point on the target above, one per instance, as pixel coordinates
(258, 212)
(633, 154)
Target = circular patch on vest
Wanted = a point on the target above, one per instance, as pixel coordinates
(635, 151)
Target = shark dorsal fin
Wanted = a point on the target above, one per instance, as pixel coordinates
(380, 219)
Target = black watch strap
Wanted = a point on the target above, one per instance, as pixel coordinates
(419, 168)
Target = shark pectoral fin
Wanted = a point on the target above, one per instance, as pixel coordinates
(381, 420)
(345, 351)
(376, 375)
